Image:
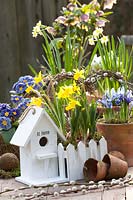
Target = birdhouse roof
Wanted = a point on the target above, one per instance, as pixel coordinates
(28, 121)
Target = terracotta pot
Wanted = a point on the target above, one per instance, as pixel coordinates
(118, 155)
(94, 170)
(119, 138)
(117, 167)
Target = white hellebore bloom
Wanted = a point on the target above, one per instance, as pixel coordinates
(108, 4)
(104, 39)
(97, 32)
(37, 30)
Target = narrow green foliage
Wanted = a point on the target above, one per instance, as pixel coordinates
(115, 57)
(32, 70)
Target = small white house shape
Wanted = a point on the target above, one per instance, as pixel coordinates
(36, 136)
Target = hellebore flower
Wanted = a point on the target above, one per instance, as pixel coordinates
(108, 4)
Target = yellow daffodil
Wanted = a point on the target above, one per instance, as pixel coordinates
(76, 88)
(65, 92)
(72, 104)
(29, 89)
(78, 74)
(37, 101)
(38, 78)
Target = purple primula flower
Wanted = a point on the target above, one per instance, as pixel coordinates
(5, 123)
(20, 88)
(4, 106)
(23, 105)
(14, 86)
(6, 112)
(26, 79)
(15, 112)
(16, 99)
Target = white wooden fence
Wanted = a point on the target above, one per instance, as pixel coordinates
(71, 160)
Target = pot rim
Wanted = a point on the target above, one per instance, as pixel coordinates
(112, 124)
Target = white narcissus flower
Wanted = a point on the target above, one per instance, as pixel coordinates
(91, 41)
(97, 32)
(104, 39)
(37, 30)
(108, 4)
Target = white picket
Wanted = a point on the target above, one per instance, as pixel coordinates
(73, 162)
(82, 157)
(102, 148)
(61, 160)
(93, 149)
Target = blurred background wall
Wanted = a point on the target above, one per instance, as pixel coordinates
(18, 48)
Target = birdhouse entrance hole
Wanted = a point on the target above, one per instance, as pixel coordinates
(43, 141)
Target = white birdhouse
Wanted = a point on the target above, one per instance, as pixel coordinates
(36, 136)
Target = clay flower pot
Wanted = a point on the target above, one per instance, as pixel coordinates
(117, 167)
(94, 170)
(119, 138)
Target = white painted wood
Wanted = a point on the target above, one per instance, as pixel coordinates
(28, 124)
(72, 162)
(25, 128)
(102, 148)
(61, 160)
(81, 150)
(37, 137)
(93, 149)
(46, 156)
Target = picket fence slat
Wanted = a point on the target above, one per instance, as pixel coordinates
(93, 149)
(102, 148)
(75, 158)
(61, 156)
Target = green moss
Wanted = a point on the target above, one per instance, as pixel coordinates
(9, 174)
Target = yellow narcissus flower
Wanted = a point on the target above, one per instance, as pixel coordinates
(38, 78)
(78, 74)
(72, 104)
(36, 101)
(76, 88)
(65, 92)
(29, 89)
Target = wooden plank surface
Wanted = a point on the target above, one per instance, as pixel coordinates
(88, 196)
(129, 193)
(114, 194)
